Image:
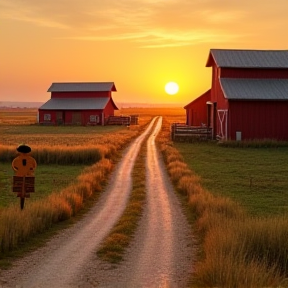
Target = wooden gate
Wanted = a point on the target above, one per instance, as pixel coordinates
(185, 133)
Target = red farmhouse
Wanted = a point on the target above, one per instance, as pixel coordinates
(248, 98)
(78, 104)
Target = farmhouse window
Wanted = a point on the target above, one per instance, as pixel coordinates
(47, 117)
(94, 118)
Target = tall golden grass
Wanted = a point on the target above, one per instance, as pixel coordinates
(235, 249)
(61, 155)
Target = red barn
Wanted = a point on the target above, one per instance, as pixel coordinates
(248, 97)
(78, 104)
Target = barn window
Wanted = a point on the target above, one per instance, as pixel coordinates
(94, 118)
(47, 117)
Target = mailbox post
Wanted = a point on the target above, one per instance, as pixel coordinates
(23, 179)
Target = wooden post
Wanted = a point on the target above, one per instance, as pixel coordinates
(22, 201)
(22, 197)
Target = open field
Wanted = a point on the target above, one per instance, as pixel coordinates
(256, 178)
(16, 116)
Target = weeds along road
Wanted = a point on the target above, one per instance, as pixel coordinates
(159, 256)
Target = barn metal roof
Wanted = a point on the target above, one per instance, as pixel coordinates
(82, 87)
(254, 89)
(75, 104)
(248, 58)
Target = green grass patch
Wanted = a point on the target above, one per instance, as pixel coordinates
(48, 179)
(256, 178)
(113, 248)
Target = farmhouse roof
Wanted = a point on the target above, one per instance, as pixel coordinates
(76, 104)
(82, 87)
(254, 89)
(248, 58)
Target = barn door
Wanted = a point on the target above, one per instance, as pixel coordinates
(222, 128)
(59, 117)
(76, 118)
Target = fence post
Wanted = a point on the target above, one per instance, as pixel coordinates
(173, 131)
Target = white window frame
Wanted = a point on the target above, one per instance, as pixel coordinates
(47, 117)
(94, 119)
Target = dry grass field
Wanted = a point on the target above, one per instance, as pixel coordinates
(15, 116)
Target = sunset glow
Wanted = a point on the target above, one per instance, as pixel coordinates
(136, 45)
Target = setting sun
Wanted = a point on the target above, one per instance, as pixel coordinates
(171, 88)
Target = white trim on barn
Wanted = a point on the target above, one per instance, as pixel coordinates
(223, 121)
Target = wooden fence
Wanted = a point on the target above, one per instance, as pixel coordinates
(185, 133)
(118, 120)
(122, 120)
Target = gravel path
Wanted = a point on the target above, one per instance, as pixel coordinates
(160, 255)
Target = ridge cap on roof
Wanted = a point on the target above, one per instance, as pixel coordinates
(59, 85)
(85, 82)
(241, 58)
(248, 79)
(108, 82)
(262, 50)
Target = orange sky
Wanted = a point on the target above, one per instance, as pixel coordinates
(138, 44)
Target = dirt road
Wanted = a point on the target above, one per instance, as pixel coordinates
(159, 256)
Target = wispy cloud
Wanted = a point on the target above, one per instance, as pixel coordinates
(150, 23)
(163, 39)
